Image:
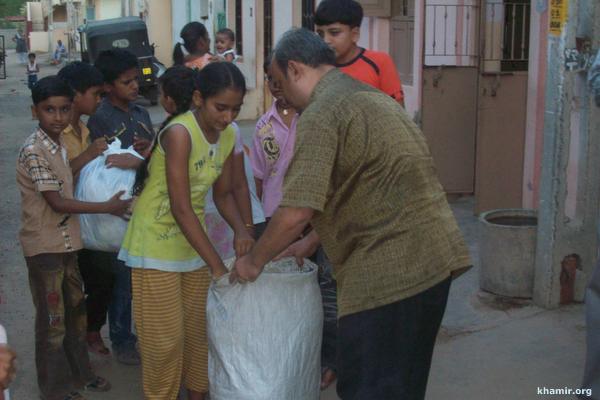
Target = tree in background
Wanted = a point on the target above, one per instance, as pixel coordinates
(10, 8)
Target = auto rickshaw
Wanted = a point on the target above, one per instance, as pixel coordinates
(127, 33)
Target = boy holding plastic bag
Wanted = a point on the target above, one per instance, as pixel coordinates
(108, 280)
(50, 240)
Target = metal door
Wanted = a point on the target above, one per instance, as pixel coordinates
(450, 81)
(502, 105)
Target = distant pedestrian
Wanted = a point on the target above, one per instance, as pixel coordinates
(60, 52)
(32, 70)
(50, 238)
(21, 47)
(225, 45)
(338, 23)
(363, 177)
(193, 48)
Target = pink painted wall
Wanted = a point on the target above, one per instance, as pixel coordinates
(535, 107)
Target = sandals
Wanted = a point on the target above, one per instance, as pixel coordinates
(97, 385)
(74, 396)
(96, 344)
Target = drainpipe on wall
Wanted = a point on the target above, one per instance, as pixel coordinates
(566, 250)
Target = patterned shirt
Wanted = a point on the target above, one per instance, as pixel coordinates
(272, 151)
(113, 122)
(42, 166)
(381, 213)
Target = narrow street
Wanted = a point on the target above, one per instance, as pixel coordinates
(487, 348)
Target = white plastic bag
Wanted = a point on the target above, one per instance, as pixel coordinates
(98, 183)
(264, 337)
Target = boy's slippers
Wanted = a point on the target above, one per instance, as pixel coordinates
(98, 385)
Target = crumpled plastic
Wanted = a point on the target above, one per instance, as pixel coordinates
(264, 337)
(97, 183)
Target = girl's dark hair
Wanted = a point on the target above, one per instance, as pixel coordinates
(178, 83)
(218, 76)
(191, 33)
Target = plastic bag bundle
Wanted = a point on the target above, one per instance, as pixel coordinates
(97, 183)
(264, 337)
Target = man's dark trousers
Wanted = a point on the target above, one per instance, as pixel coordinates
(385, 353)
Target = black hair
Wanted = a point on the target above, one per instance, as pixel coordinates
(190, 33)
(227, 32)
(31, 54)
(50, 86)
(304, 46)
(267, 63)
(346, 12)
(114, 62)
(81, 76)
(218, 76)
(178, 83)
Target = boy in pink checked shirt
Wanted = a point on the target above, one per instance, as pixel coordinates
(273, 148)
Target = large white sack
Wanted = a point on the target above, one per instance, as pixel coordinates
(97, 183)
(264, 337)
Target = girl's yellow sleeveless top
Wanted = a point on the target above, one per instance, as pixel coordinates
(153, 239)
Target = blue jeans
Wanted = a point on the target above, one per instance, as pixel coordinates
(107, 283)
(31, 80)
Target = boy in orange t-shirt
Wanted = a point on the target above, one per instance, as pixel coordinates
(338, 23)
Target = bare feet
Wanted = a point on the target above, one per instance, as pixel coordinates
(328, 376)
(96, 344)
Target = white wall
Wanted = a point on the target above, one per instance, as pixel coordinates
(283, 19)
(107, 9)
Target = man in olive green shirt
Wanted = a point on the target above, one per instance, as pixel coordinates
(363, 177)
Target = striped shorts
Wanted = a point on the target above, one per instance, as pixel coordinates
(169, 309)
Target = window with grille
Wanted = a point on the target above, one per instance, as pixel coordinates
(507, 27)
(308, 14)
(238, 27)
(515, 49)
(268, 27)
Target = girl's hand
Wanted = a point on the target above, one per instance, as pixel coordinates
(219, 271)
(242, 243)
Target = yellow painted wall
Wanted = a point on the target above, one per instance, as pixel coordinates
(159, 29)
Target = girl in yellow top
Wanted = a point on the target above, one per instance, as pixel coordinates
(166, 244)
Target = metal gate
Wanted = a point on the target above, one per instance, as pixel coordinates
(2, 58)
